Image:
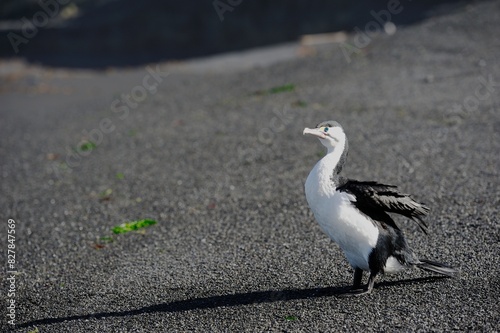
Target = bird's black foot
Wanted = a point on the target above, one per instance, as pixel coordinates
(355, 292)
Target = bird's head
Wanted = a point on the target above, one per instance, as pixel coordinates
(329, 133)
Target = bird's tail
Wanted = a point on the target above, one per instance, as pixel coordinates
(437, 267)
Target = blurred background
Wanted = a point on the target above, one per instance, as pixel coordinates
(103, 33)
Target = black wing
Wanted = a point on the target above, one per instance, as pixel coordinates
(375, 200)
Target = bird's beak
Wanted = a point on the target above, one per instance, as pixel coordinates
(315, 132)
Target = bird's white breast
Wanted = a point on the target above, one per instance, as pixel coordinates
(354, 232)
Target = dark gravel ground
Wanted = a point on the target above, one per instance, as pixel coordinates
(220, 164)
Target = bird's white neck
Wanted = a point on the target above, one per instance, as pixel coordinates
(322, 177)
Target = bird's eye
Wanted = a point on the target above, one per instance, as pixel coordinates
(325, 129)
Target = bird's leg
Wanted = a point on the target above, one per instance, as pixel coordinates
(358, 275)
(355, 291)
(371, 282)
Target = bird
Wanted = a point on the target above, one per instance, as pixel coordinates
(355, 215)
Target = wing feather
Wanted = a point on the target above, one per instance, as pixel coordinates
(375, 199)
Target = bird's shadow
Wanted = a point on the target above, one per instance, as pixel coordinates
(210, 302)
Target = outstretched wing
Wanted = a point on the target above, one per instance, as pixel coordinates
(375, 199)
